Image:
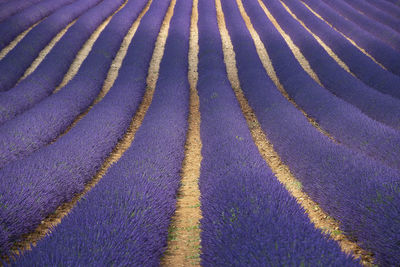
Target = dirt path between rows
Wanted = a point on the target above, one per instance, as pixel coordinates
(183, 247)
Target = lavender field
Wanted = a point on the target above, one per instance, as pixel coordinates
(199, 133)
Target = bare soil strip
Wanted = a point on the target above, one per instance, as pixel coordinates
(17, 39)
(349, 39)
(115, 65)
(55, 218)
(45, 51)
(269, 68)
(325, 46)
(183, 248)
(317, 216)
(85, 50)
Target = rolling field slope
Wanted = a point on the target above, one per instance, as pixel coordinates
(199, 133)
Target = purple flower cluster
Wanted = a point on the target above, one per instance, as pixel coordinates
(383, 32)
(14, 25)
(343, 121)
(375, 13)
(124, 219)
(9, 9)
(40, 125)
(361, 65)
(376, 105)
(362, 194)
(14, 64)
(52, 69)
(381, 51)
(388, 6)
(34, 187)
(249, 219)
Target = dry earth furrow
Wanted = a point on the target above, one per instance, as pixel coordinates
(183, 248)
(317, 216)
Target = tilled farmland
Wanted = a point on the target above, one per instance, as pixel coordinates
(199, 132)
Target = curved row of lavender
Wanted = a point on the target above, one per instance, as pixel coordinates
(343, 121)
(12, 7)
(376, 105)
(375, 13)
(124, 219)
(49, 118)
(363, 195)
(361, 65)
(383, 32)
(15, 25)
(389, 8)
(52, 69)
(249, 219)
(34, 187)
(382, 52)
(15, 63)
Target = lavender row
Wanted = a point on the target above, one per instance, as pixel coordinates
(45, 121)
(375, 13)
(249, 219)
(386, 6)
(33, 188)
(395, 2)
(383, 32)
(340, 119)
(362, 194)
(13, 26)
(12, 7)
(14, 64)
(51, 71)
(342, 84)
(382, 52)
(124, 219)
(359, 64)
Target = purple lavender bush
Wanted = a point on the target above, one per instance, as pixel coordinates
(52, 69)
(33, 188)
(15, 25)
(249, 219)
(124, 219)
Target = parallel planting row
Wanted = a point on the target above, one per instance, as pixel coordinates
(94, 108)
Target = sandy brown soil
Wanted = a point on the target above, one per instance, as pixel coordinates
(349, 39)
(317, 216)
(183, 247)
